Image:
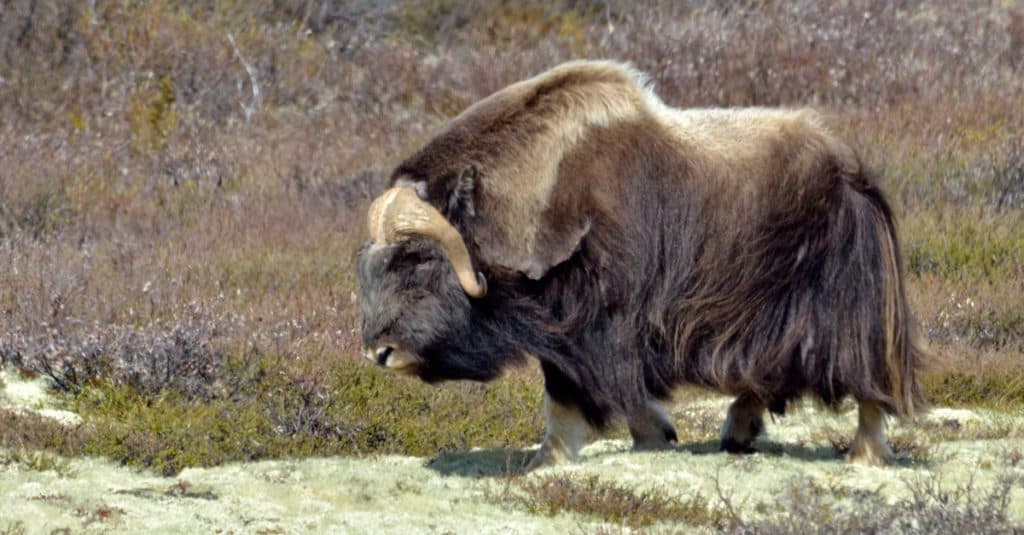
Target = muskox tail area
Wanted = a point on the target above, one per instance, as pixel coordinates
(870, 343)
(813, 302)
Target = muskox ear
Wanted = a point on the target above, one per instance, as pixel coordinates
(460, 200)
(557, 239)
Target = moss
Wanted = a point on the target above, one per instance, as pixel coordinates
(167, 433)
(277, 415)
(403, 415)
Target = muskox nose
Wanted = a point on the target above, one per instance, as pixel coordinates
(378, 355)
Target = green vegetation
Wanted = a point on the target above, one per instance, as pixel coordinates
(281, 416)
(976, 390)
(40, 461)
(965, 243)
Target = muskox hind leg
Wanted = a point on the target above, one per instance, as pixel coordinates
(743, 424)
(651, 428)
(567, 432)
(869, 445)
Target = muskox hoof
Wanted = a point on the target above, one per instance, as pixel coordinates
(539, 460)
(651, 428)
(868, 452)
(663, 440)
(658, 437)
(549, 455)
(743, 425)
(869, 446)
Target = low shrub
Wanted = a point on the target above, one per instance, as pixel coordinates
(606, 500)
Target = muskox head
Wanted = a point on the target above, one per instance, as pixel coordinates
(416, 281)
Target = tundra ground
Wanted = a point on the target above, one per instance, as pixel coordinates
(958, 467)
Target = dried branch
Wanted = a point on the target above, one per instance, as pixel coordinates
(257, 99)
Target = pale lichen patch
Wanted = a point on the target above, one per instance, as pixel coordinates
(21, 394)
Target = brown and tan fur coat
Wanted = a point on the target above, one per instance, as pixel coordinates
(642, 247)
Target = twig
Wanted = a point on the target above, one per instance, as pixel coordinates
(256, 98)
(737, 521)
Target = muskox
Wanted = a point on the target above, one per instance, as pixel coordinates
(631, 248)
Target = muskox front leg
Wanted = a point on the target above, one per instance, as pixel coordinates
(651, 428)
(869, 445)
(567, 432)
(743, 424)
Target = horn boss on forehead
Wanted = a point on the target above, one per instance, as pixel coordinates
(399, 213)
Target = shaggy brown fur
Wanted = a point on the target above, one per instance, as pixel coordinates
(633, 248)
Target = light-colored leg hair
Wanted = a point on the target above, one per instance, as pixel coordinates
(869, 445)
(743, 424)
(567, 432)
(651, 427)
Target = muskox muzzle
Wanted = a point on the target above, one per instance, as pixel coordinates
(388, 357)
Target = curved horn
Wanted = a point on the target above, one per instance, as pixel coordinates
(400, 212)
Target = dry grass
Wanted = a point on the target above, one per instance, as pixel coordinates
(804, 506)
(183, 186)
(609, 501)
(934, 507)
(23, 433)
